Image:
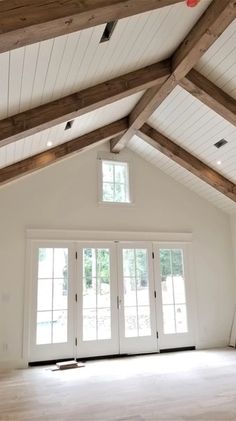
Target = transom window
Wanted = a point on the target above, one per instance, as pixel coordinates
(115, 182)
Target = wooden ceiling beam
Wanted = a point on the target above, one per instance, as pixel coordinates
(188, 161)
(51, 156)
(48, 115)
(210, 95)
(209, 27)
(25, 22)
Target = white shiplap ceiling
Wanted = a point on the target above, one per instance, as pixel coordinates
(195, 127)
(42, 72)
(219, 63)
(37, 143)
(181, 175)
(49, 70)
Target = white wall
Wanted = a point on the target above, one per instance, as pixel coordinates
(233, 232)
(65, 196)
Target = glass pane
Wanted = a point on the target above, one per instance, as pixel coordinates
(61, 263)
(89, 263)
(141, 263)
(60, 293)
(44, 298)
(169, 319)
(181, 318)
(89, 325)
(103, 292)
(167, 290)
(177, 262)
(44, 328)
(130, 292)
(108, 192)
(165, 264)
(107, 171)
(120, 193)
(120, 173)
(131, 328)
(89, 293)
(45, 263)
(179, 289)
(104, 323)
(103, 263)
(59, 326)
(144, 322)
(128, 262)
(143, 291)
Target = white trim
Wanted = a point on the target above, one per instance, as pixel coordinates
(94, 235)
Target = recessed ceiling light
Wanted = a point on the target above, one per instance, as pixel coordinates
(218, 162)
(49, 143)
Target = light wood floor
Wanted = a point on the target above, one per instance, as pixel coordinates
(195, 385)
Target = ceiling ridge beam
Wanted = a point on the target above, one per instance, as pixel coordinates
(64, 150)
(67, 108)
(214, 21)
(210, 95)
(29, 21)
(187, 161)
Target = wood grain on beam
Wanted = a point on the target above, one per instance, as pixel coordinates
(61, 151)
(209, 27)
(25, 22)
(188, 161)
(210, 95)
(219, 15)
(45, 116)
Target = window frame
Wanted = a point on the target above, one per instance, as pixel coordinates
(113, 158)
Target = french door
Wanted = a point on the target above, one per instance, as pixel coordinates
(175, 305)
(105, 298)
(97, 317)
(52, 309)
(137, 319)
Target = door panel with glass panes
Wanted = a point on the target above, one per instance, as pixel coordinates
(136, 298)
(97, 295)
(52, 332)
(175, 311)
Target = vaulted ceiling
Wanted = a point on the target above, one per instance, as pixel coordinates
(164, 85)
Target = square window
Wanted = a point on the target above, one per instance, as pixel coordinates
(115, 186)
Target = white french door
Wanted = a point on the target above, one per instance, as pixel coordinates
(136, 298)
(105, 298)
(97, 317)
(175, 306)
(52, 318)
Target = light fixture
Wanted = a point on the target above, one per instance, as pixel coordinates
(192, 3)
(49, 143)
(220, 143)
(69, 125)
(219, 162)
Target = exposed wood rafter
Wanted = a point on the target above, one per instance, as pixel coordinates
(45, 116)
(188, 161)
(210, 95)
(64, 150)
(209, 27)
(25, 22)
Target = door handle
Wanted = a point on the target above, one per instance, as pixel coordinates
(118, 301)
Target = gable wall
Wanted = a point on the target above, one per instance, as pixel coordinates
(65, 196)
